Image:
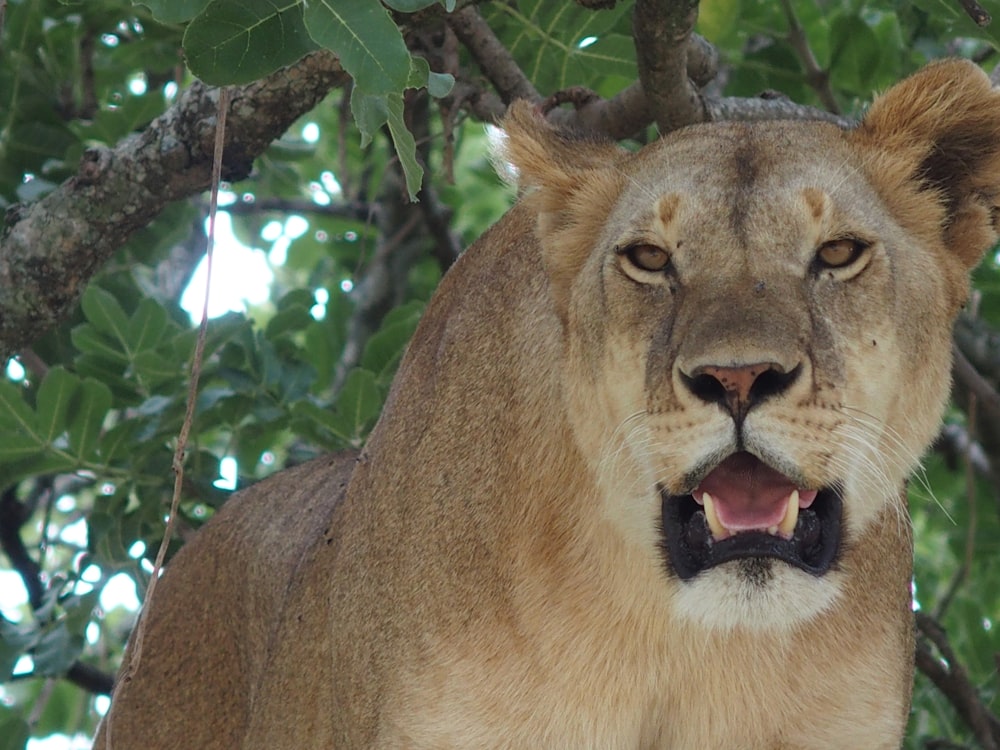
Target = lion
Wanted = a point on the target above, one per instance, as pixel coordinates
(640, 480)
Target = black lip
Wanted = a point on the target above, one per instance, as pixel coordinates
(690, 549)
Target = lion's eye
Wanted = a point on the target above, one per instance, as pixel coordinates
(840, 253)
(647, 257)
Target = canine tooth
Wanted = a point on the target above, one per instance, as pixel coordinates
(787, 525)
(714, 525)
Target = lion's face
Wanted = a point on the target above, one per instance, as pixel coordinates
(748, 362)
(757, 330)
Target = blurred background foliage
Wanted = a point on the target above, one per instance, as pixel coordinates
(322, 272)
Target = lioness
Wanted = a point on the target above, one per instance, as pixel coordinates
(640, 480)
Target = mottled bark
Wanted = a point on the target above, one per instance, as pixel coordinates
(51, 248)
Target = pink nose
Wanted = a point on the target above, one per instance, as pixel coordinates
(741, 387)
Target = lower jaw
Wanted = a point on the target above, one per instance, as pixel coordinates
(690, 548)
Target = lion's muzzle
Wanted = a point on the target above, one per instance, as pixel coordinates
(745, 509)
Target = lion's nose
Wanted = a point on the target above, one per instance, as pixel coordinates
(739, 388)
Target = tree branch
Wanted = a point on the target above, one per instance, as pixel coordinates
(817, 78)
(950, 678)
(50, 249)
(13, 515)
(359, 210)
(661, 31)
(493, 58)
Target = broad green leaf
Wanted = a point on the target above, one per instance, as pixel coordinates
(104, 312)
(437, 84)
(411, 6)
(14, 731)
(52, 403)
(385, 348)
(90, 410)
(89, 340)
(173, 11)
(308, 416)
(147, 326)
(15, 639)
(718, 19)
(15, 414)
(56, 651)
(406, 146)
(855, 53)
(371, 112)
(359, 401)
(552, 40)
(238, 42)
(153, 368)
(366, 40)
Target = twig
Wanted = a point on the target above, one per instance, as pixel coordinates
(13, 515)
(661, 32)
(817, 78)
(950, 678)
(976, 12)
(986, 397)
(182, 438)
(437, 219)
(492, 56)
(360, 210)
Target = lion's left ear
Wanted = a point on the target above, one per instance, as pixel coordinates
(931, 144)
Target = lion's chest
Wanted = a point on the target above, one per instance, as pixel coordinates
(616, 694)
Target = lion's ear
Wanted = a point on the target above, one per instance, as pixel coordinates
(570, 180)
(932, 147)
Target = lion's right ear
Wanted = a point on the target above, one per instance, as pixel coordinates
(571, 181)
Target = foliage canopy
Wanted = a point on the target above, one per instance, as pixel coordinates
(90, 409)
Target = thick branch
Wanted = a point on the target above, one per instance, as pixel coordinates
(661, 31)
(50, 249)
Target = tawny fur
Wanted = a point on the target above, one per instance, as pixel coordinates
(490, 572)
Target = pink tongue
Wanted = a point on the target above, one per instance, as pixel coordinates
(748, 494)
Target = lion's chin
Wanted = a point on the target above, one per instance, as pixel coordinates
(808, 538)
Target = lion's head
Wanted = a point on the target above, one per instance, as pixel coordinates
(757, 321)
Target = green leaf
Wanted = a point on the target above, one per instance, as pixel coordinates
(406, 146)
(147, 326)
(359, 402)
(549, 40)
(370, 113)
(855, 53)
(366, 40)
(54, 396)
(14, 731)
(235, 43)
(56, 651)
(411, 6)
(15, 414)
(104, 312)
(89, 340)
(385, 348)
(173, 11)
(718, 19)
(437, 84)
(90, 410)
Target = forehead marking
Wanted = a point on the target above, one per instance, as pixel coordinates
(746, 169)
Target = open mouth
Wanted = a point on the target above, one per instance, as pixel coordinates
(745, 509)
